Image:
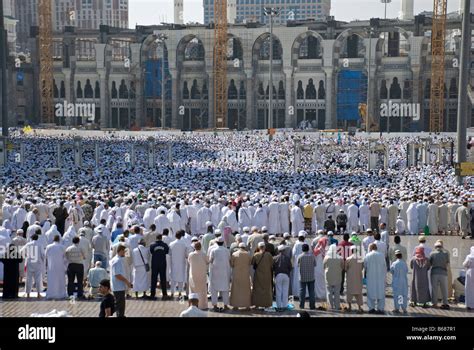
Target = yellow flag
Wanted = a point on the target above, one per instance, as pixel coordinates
(27, 129)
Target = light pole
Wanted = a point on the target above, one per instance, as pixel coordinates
(461, 146)
(3, 68)
(161, 40)
(369, 71)
(271, 12)
(385, 2)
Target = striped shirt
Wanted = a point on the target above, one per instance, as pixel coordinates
(306, 264)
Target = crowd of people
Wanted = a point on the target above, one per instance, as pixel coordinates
(250, 231)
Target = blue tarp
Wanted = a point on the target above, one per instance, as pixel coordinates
(351, 90)
(153, 79)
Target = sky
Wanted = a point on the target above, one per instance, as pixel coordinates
(145, 12)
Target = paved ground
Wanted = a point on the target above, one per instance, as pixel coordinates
(146, 308)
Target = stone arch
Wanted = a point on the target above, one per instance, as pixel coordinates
(79, 91)
(97, 90)
(300, 40)
(195, 93)
(340, 40)
(310, 93)
(88, 91)
(232, 92)
(263, 40)
(299, 90)
(395, 89)
(235, 48)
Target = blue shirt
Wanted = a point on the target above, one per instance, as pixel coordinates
(116, 233)
(116, 268)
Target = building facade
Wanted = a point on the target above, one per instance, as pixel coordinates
(85, 14)
(291, 10)
(321, 73)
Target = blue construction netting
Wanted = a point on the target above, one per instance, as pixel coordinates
(153, 79)
(351, 90)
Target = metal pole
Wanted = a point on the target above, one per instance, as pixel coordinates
(3, 64)
(461, 146)
(270, 92)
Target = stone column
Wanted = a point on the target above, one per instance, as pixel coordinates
(211, 113)
(175, 117)
(251, 114)
(289, 100)
(331, 121)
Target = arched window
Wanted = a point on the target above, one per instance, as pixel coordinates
(383, 90)
(55, 89)
(261, 92)
(79, 93)
(62, 91)
(242, 92)
(194, 50)
(281, 91)
(232, 92)
(395, 90)
(195, 94)
(123, 90)
(453, 89)
(300, 91)
(97, 89)
(114, 90)
(88, 92)
(265, 49)
(321, 91)
(185, 91)
(274, 92)
(205, 92)
(310, 48)
(407, 91)
(310, 90)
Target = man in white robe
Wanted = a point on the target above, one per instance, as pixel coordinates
(274, 218)
(232, 220)
(364, 216)
(392, 216)
(56, 267)
(18, 218)
(216, 214)
(422, 214)
(203, 215)
(141, 277)
(284, 209)
(400, 226)
(178, 259)
(149, 217)
(353, 218)
(376, 269)
(161, 222)
(319, 212)
(412, 216)
(219, 274)
(296, 219)
(245, 218)
(260, 218)
(174, 221)
(433, 217)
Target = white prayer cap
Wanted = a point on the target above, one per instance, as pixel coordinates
(242, 245)
(281, 247)
(264, 229)
(246, 229)
(354, 233)
(217, 232)
(330, 233)
(320, 232)
(286, 235)
(254, 228)
(220, 239)
(272, 237)
(208, 223)
(86, 223)
(302, 233)
(193, 296)
(261, 244)
(238, 236)
(194, 239)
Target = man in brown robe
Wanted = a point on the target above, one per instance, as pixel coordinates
(240, 293)
(262, 263)
(353, 267)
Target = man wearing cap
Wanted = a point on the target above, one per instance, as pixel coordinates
(282, 271)
(159, 251)
(208, 236)
(178, 255)
(353, 267)
(89, 233)
(422, 244)
(100, 246)
(368, 240)
(262, 263)
(439, 261)
(254, 239)
(296, 219)
(219, 274)
(193, 310)
(198, 264)
(376, 269)
(399, 271)
(240, 294)
(463, 219)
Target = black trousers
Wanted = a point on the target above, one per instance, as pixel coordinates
(374, 223)
(120, 303)
(161, 270)
(75, 271)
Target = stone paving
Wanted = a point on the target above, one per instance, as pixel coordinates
(24, 307)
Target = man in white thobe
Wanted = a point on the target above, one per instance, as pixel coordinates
(319, 212)
(162, 222)
(178, 259)
(56, 267)
(245, 218)
(274, 218)
(141, 277)
(352, 218)
(296, 219)
(284, 209)
(364, 216)
(149, 217)
(376, 269)
(412, 216)
(433, 213)
(35, 257)
(219, 274)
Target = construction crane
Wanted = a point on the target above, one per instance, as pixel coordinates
(220, 63)
(46, 61)
(438, 41)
